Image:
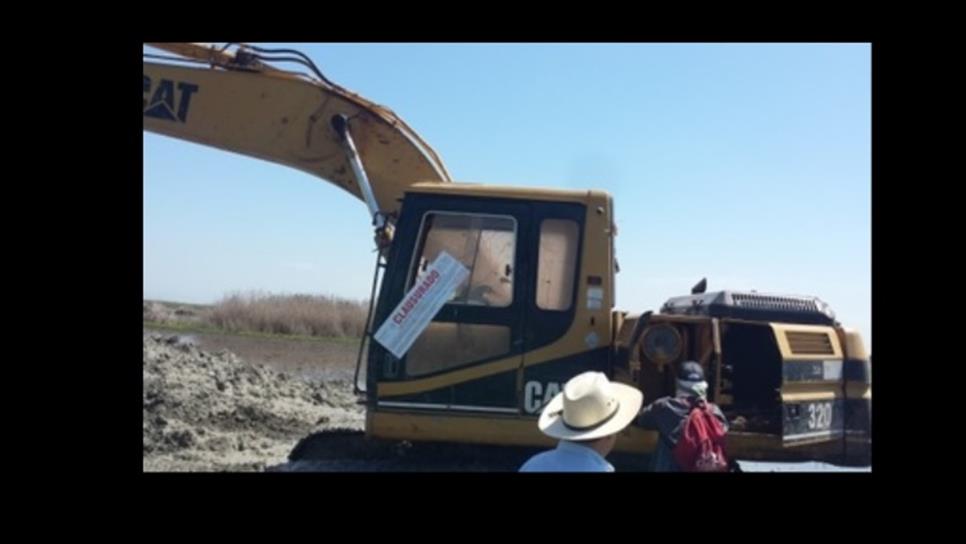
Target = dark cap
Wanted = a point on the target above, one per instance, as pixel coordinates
(691, 371)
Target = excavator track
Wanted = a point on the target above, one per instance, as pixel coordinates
(347, 450)
(341, 450)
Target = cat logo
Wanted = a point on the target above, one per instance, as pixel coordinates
(536, 395)
(170, 100)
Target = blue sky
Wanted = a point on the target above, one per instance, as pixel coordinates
(745, 163)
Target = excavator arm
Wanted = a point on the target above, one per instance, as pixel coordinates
(242, 102)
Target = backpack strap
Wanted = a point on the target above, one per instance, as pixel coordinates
(692, 406)
(697, 403)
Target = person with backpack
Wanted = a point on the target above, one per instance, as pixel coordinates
(692, 430)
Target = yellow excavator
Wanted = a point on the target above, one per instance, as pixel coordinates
(533, 303)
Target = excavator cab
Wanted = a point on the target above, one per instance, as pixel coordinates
(503, 342)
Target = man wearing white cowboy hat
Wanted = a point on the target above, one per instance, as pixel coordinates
(586, 416)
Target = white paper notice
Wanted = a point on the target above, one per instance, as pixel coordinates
(421, 304)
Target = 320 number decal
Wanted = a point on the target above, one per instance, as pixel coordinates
(819, 415)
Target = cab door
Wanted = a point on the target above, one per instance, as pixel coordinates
(468, 358)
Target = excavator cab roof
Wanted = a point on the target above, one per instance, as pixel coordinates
(510, 192)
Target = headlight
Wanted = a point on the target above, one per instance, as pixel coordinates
(661, 343)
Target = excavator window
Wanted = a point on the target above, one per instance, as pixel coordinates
(485, 244)
(449, 345)
(556, 265)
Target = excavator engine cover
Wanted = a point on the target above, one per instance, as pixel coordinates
(753, 307)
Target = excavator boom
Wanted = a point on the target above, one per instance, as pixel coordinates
(243, 104)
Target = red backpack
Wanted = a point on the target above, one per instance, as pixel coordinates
(701, 446)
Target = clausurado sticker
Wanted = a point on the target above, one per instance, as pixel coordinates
(421, 304)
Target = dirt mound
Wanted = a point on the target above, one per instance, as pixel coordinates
(211, 411)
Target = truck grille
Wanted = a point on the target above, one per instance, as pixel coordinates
(809, 343)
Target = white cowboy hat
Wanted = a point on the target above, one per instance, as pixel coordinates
(590, 406)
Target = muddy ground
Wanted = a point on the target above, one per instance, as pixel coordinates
(210, 409)
(304, 356)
